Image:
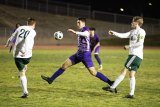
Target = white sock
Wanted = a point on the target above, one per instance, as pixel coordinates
(24, 84)
(117, 81)
(132, 85)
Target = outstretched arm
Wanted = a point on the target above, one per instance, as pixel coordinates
(85, 33)
(10, 39)
(120, 35)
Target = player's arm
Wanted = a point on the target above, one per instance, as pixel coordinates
(98, 44)
(10, 39)
(85, 33)
(120, 35)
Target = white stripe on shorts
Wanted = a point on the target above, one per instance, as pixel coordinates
(130, 61)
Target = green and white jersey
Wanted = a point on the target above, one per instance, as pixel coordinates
(24, 42)
(136, 41)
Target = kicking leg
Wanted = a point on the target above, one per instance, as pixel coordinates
(66, 64)
(99, 75)
(119, 79)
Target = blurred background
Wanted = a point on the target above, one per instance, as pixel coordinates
(54, 15)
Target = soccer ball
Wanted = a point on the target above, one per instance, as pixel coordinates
(58, 35)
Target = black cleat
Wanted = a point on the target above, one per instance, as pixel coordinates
(129, 96)
(47, 79)
(112, 83)
(25, 95)
(112, 90)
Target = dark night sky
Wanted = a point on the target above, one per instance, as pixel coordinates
(131, 7)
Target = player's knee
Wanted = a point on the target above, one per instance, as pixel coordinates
(21, 73)
(64, 66)
(132, 74)
(92, 71)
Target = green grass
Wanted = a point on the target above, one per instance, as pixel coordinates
(76, 87)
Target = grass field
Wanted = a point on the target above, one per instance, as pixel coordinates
(76, 87)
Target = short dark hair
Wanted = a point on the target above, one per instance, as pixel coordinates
(17, 25)
(31, 21)
(92, 28)
(83, 19)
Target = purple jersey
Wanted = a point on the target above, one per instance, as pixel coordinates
(94, 40)
(83, 42)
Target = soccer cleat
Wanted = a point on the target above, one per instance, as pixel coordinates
(129, 96)
(100, 67)
(112, 90)
(25, 95)
(47, 79)
(112, 83)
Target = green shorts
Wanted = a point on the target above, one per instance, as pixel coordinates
(133, 63)
(21, 62)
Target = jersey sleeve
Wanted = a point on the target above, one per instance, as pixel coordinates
(85, 33)
(14, 35)
(121, 35)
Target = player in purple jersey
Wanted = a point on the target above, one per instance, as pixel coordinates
(95, 46)
(12, 42)
(83, 55)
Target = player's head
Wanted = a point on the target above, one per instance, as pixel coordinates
(92, 31)
(81, 22)
(137, 21)
(17, 25)
(31, 22)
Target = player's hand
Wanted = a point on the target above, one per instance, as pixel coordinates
(126, 47)
(71, 30)
(110, 32)
(6, 46)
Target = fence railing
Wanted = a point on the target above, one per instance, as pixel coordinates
(152, 26)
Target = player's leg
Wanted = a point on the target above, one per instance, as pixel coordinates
(96, 55)
(133, 69)
(22, 67)
(23, 79)
(132, 84)
(87, 61)
(69, 62)
(64, 66)
(118, 80)
(99, 75)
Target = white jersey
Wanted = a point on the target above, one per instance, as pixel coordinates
(24, 42)
(136, 41)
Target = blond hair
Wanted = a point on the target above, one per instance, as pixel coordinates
(139, 20)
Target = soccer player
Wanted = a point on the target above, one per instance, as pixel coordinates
(22, 50)
(10, 42)
(83, 54)
(95, 46)
(136, 40)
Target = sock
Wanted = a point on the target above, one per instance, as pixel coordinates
(117, 81)
(98, 59)
(132, 85)
(24, 84)
(103, 78)
(57, 73)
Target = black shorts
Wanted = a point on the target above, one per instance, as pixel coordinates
(21, 62)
